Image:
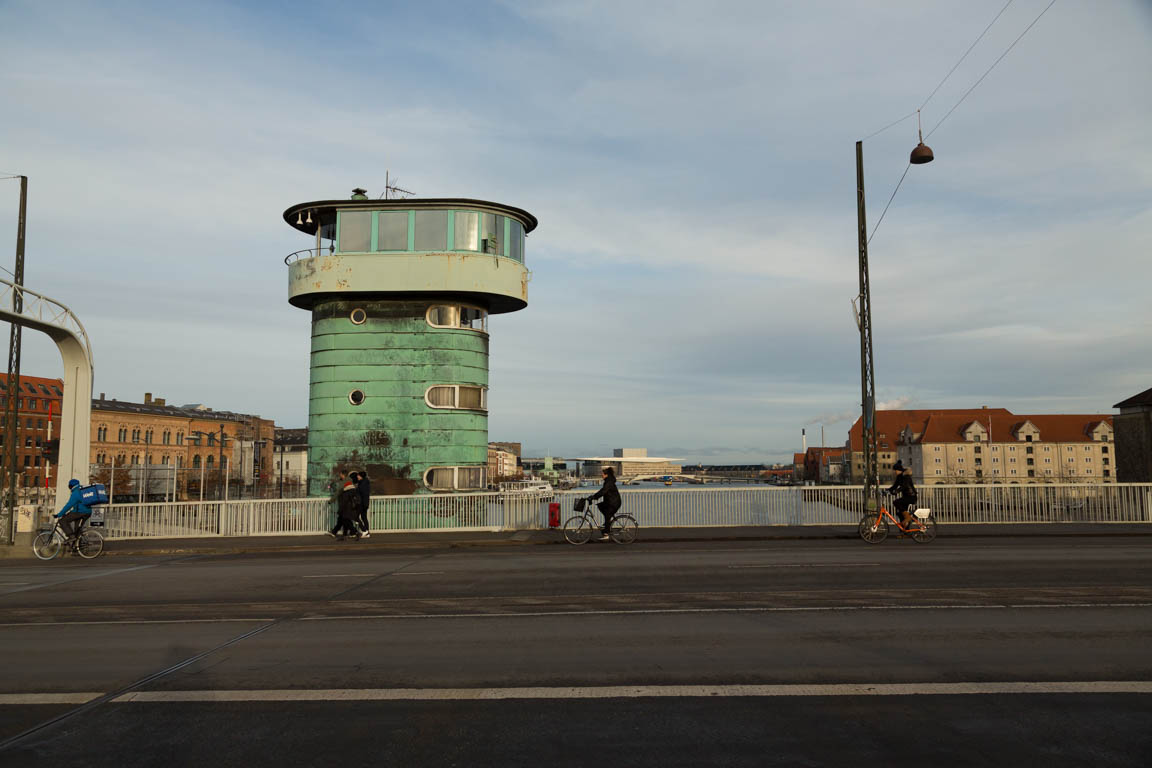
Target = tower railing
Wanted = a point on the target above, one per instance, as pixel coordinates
(305, 253)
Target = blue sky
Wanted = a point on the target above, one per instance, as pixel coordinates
(692, 168)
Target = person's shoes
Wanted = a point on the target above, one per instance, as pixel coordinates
(365, 535)
(604, 537)
(330, 534)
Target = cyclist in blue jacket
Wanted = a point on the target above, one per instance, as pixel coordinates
(74, 512)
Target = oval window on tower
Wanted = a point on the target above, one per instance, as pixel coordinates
(358, 316)
(356, 397)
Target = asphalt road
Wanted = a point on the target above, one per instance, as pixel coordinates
(826, 652)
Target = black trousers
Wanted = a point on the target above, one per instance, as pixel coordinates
(345, 527)
(362, 520)
(902, 505)
(66, 523)
(609, 513)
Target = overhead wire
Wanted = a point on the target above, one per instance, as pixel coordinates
(962, 98)
(1006, 52)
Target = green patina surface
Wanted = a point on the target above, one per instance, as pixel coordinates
(393, 357)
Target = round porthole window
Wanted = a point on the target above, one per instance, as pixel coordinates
(356, 397)
(358, 316)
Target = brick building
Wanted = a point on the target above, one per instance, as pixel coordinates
(37, 417)
(155, 450)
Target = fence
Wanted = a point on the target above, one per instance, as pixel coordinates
(678, 507)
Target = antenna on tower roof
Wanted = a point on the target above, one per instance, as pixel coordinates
(393, 192)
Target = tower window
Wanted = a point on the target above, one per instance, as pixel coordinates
(392, 233)
(358, 316)
(355, 231)
(467, 231)
(431, 231)
(461, 396)
(455, 478)
(449, 316)
(356, 397)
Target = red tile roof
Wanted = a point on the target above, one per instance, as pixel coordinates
(891, 423)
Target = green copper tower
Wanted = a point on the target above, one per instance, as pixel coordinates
(400, 292)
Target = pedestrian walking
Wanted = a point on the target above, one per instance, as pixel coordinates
(364, 489)
(347, 503)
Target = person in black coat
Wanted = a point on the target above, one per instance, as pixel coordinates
(903, 490)
(364, 489)
(611, 499)
(347, 506)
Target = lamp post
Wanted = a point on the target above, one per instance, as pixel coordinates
(920, 154)
(200, 434)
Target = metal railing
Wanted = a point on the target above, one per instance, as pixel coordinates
(305, 253)
(664, 507)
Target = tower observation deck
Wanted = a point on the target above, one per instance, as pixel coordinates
(400, 292)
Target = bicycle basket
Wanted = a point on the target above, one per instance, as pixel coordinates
(579, 505)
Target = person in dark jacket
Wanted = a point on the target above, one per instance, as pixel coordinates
(904, 492)
(347, 505)
(611, 500)
(364, 489)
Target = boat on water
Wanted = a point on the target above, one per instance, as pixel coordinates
(527, 488)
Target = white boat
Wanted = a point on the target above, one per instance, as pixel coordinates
(527, 487)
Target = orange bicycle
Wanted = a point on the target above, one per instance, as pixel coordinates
(921, 526)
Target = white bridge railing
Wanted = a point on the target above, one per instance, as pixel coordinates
(657, 507)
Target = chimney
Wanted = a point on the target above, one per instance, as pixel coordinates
(158, 401)
(101, 396)
(147, 398)
(803, 441)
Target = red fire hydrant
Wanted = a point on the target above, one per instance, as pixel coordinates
(553, 514)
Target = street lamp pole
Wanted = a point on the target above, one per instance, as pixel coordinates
(867, 363)
(921, 154)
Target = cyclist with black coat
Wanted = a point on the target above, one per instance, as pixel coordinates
(611, 499)
(903, 490)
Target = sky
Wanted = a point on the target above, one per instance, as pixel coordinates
(692, 166)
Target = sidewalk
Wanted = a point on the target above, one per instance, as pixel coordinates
(383, 541)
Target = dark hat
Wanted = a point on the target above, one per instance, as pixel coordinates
(898, 466)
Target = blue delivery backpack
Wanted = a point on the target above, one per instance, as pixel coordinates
(92, 496)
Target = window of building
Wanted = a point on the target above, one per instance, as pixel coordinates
(515, 240)
(167, 438)
(455, 478)
(196, 462)
(1013, 471)
(1012, 460)
(27, 461)
(1087, 459)
(355, 231)
(122, 435)
(1087, 449)
(1107, 473)
(1103, 449)
(356, 397)
(467, 229)
(960, 460)
(936, 448)
(1011, 449)
(164, 460)
(148, 437)
(1104, 461)
(978, 450)
(358, 316)
(209, 462)
(450, 316)
(135, 459)
(462, 396)
(392, 231)
(1047, 460)
(179, 438)
(1031, 473)
(1028, 438)
(431, 231)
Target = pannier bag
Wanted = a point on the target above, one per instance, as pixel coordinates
(93, 494)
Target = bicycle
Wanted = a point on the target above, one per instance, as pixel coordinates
(874, 528)
(50, 542)
(578, 529)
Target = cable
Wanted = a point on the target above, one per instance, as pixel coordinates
(889, 203)
(990, 69)
(897, 122)
(965, 54)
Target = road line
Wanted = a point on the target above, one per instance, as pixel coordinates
(779, 609)
(811, 565)
(339, 575)
(14, 699)
(95, 575)
(417, 573)
(130, 621)
(642, 691)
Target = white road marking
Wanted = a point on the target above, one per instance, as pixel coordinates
(783, 609)
(808, 565)
(9, 699)
(339, 575)
(128, 621)
(89, 575)
(13, 583)
(642, 691)
(417, 573)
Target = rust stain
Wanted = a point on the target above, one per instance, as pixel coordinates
(377, 437)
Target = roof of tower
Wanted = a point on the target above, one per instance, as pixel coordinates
(324, 211)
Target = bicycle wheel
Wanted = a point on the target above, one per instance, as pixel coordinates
(926, 531)
(872, 530)
(578, 529)
(623, 530)
(90, 544)
(46, 545)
